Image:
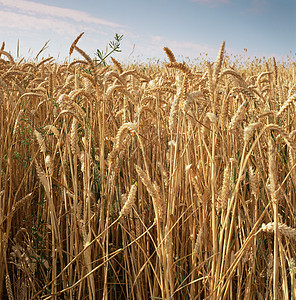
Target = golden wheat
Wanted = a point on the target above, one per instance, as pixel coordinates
(141, 182)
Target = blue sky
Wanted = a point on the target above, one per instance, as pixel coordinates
(188, 27)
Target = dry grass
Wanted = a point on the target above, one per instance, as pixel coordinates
(147, 183)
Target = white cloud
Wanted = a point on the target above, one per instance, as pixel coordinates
(33, 23)
(39, 9)
(23, 22)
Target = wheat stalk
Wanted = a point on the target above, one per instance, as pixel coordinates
(74, 137)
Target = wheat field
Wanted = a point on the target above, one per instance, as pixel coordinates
(163, 181)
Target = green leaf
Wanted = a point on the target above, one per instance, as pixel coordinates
(113, 45)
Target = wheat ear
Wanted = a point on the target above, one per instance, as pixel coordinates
(225, 188)
(88, 59)
(275, 70)
(8, 55)
(117, 65)
(169, 54)
(8, 287)
(173, 113)
(75, 43)
(2, 47)
(248, 131)
(283, 229)
(182, 67)
(129, 202)
(238, 116)
(153, 190)
(286, 105)
(218, 63)
(40, 141)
